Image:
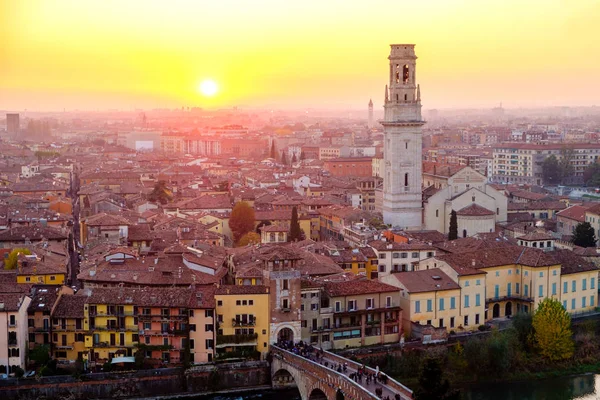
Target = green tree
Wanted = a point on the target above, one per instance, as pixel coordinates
(432, 385)
(249, 238)
(553, 335)
(591, 175)
(294, 159)
(283, 158)
(241, 220)
(522, 323)
(453, 229)
(273, 154)
(40, 354)
(302, 156)
(295, 233)
(584, 235)
(11, 261)
(160, 193)
(551, 170)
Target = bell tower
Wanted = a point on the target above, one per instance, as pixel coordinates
(402, 152)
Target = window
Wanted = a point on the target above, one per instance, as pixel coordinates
(583, 300)
(565, 287)
(466, 320)
(572, 304)
(584, 284)
(415, 255)
(526, 289)
(286, 284)
(452, 303)
(441, 307)
(437, 213)
(592, 304)
(370, 303)
(541, 274)
(510, 271)
(517, 288)
(219, 302)
(509, 289)
(208, 328)
(418, 306)
(207, 313)
(238, 302)
(496, 291)
(285, 304)
(250, 302)
(403, 255)
(592, 283)
(466, 301)
(564, 304)
(497, 273)
(553, 271)
(314, 307)
(244, 302)
(395, 255)
(352, 305)
(12, 321)
(429, 305)
(406, 179)
(478, 282)
(466, 283)
(554, 289)
(573, 286)
(477, 300)
(451, 322)
(382, 256)
(338, 306)
(541, 290)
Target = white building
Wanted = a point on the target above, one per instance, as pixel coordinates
(402, 141)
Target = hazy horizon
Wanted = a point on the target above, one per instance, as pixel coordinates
(107, 55)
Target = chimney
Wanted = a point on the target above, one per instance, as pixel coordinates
(473, 262)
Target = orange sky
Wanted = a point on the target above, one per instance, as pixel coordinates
(92, 54)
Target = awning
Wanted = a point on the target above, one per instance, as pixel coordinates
(118, 360)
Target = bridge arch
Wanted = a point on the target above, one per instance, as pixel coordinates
(317, 394)
(287, 378)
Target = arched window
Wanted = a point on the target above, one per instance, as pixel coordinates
(406, 179)
(405, 74)
(464, 233)
(397, 73)
(405, 97)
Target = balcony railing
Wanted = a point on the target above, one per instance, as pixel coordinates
(237, 339)
(236, 322)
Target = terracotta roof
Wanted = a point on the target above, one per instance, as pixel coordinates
(536, 236)
(572, 263)
(485, 258)
(242, 290)
(381, 245)
(69, 306)
(12, 301)
(357, 287)
(105, 219)
(595, 209)
(537, 205)
(576, 213)
(32, 232)
(445, 170)
(427, 280)
(474, 210)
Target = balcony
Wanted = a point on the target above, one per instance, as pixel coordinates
(287, 309)
(237, 340)
(42, 329)
(237, 323)
(514, 297)
(12, 342)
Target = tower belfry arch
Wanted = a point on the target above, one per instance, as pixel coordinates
(402, 152)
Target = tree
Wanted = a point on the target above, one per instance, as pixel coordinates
(40, 354)
(431, 384)
(241, 220)
(584, 235)
(553, 335)
(273, 154)
(565, 166)
(453, 229)
(249, 238)
(295, 231)
(11, 260)
(551, 170)
(160, 193)
(283, 158)
(591, 175)
(294, 159)
(522, 323)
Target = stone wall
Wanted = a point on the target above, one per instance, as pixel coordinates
(146, 383)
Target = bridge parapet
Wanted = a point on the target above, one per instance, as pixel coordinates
(310, 376)
(404, 392)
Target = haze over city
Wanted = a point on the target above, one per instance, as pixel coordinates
(270, 54)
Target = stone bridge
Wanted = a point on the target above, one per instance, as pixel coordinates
(315, 381)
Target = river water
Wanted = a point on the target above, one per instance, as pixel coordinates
(580, 387)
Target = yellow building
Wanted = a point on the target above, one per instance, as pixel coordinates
(578, 288)
(430, 297)
(111, 325)
(243, 317)
(68, 337)
(33, 270)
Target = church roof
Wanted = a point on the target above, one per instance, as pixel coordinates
(474, 210)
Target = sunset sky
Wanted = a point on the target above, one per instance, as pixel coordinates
(332, 54)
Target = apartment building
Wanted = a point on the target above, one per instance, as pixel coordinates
(522, 162)
(13, 331)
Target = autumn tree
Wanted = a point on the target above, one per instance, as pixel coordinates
(453, 229)
(249, 238)
(295, 230)
(11, 261)
(160, 193)
(552, 326)
(432, 385)
(584, 235)
(241, 220)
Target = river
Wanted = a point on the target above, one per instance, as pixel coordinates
(581, 387)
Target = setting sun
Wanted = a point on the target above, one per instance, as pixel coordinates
(208, 88)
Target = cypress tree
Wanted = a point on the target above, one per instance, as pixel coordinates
(295, 231)
(453, 229)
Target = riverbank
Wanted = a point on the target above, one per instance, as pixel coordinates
(200, 396)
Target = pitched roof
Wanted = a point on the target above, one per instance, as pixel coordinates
(576, 213)
(357, 287)
(242, 290)
(474, 210)
(69, 306)
(485, 258)
(572, 263)
(426, 280)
